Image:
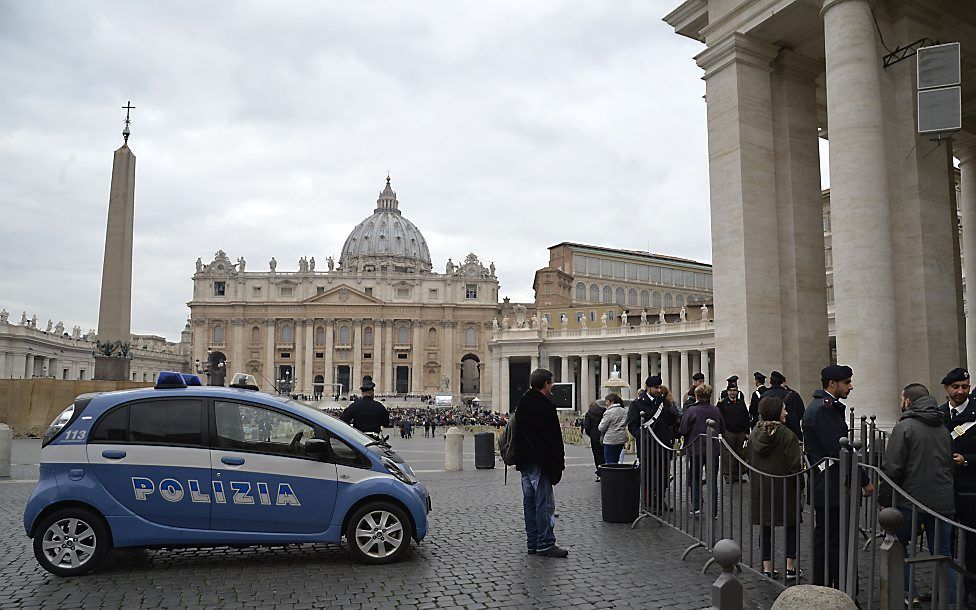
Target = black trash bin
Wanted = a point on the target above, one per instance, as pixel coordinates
(619, 492)
(484, 450)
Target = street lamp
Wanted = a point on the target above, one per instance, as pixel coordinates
(210, 368)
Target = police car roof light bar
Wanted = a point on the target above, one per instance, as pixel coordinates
(190, 379)
(244, 381)
(169, 380)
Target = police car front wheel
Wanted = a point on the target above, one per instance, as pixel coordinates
(378, 532)
(71, 541)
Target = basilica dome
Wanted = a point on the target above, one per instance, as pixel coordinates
(386, 241)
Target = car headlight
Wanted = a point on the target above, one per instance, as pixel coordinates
(398, 473)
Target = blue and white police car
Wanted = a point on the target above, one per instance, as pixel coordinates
(186, 465)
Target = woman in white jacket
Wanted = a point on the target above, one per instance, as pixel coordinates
(614, 429)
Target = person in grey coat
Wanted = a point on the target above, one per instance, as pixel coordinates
(614, 429)
(918, 459)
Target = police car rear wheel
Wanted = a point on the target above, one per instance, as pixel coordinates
(378, 533)
(71, 541)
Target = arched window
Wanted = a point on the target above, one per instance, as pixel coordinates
(656, 299)
(344, 335)
(581, 291)
(218, 333)
(470, 336)
(592, 316)
(632, 296)
(287, 333)
(645, 298)
(607, 294)
(403, 335)
(667, 299)
(679, 301)
(319, 335)
(620, 296)
(594, 293)
(368, 335)
(255, 335)
(432, 336)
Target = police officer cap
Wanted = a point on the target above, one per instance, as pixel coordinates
(759, 376)
(698, 377)
(653, 381)
(956, 374)
(777, 378)
(836, 372)
(733, 379)
(367, 385)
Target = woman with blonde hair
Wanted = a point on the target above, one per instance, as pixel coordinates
(614, 428)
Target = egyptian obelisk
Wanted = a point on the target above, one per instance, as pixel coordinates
(115, 305)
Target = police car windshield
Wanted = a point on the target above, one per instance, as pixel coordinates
(350, 432)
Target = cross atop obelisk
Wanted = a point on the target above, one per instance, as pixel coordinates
(125, 131)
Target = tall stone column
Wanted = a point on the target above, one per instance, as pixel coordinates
(586, 394)
(685, 374)
(533, 362)
(743, 202)
(864, 288)
(378, 326)
(967, 204)
(564, 370)
(450, 356)
(307, 386)
(706, 365)
(388, 375)
(666, 371)
(4, 370)
(505, 405)
(357, 354)
(645, 369)
(625, 373)
(417, 374)
(28, 366)
(604, 373)
(201, 340)
(297, 374)
(268, 366)
(802, 281)
(237, 364)
(328, 348)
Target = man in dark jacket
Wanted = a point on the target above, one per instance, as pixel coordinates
(661, 417)
(792, 400)
(689, 399)
(959, 414)
(824, 425)
(694, 427)
(732, 406)
(366, 414)
(540, 457)
(918, 458)
(757, 394)
(591, 427)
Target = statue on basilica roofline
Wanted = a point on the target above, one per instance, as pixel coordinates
(311, 264)
(4, 316)
(23, 319)
(33, 321)
(660, 317)
(50, 325)
(683, 314)
(491, 269)
(704, 310)
(494, 325)
(603, 321)
(273, 264)
(449, 269)
(623, 318)
(241, 263)
(643, 317)
(302, 265)
(563, 321)
(199, 264)
(59, 329)
(331, 262)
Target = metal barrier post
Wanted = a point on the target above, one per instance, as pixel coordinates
(645, 450)
(843, 506)
(892, 561)
(727, 591)
(710, 477)
(852, 528)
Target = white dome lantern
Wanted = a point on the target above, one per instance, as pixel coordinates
(386, 240)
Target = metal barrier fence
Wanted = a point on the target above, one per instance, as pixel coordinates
(810, 524)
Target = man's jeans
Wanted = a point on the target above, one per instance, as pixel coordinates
(539, 507)
(945, 543)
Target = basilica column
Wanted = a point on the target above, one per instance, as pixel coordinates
(742, 187)
(666, 372)
(967, 204)
(604, 374)
(417, 374)
(533, 362)
(307, 386)
(685, 372)
(28, 366)
(451, 364)
(237, 353)
(268, 365)
(329, 354)
(706, 359)
(378, 327)
(297, 374)
(586, 394)
(864, 288)
(625, 372)
(4, 371)
(645, 368)
(357, 354)
(564, 370)
(388, 381)
(200, 341)
(505, 405)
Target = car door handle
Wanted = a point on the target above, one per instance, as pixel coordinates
(232, 461)
(113, 454)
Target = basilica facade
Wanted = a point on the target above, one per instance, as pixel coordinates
(381, 311)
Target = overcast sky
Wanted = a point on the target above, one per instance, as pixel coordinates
(266, 129)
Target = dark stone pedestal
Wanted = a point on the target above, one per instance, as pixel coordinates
(111, 369)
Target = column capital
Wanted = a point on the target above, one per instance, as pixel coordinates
(829, 4)
(237, 321)
(270, 321)
(736, 47)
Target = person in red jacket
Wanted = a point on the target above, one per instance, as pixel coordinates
(541, 458)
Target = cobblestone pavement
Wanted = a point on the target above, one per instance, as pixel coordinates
(473, 557)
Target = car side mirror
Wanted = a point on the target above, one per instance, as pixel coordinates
(316, 447)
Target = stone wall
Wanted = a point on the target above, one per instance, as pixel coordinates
(29, 405)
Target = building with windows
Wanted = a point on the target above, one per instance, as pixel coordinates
(380, 311)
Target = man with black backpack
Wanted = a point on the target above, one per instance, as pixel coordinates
(540, 457)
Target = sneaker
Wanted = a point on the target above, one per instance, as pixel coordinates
(791, 574)
(774, 574)
(695, 513)
(598, 479)
(553, 551)
(532, 551)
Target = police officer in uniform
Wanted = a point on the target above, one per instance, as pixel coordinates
(367, 414)
(696, 380)
(792, 400)
(760, 381)
(959, 412)
(662, 417)
(824, 425)
(732, 406)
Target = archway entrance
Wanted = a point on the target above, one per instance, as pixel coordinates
(343, 375)
(470, 374)
(318, 385)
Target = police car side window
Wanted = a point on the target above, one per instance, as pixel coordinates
(170, 422)
(113, 427)
(343, 453)
(253, 428)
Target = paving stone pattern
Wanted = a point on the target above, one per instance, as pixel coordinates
(473, 557)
